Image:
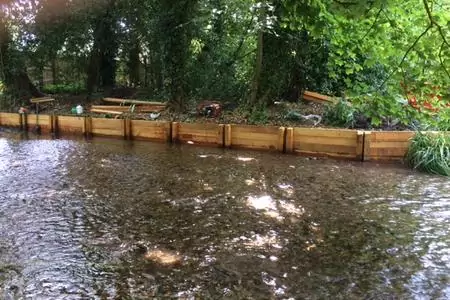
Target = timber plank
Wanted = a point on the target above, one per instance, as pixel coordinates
(10, 119)
(131, 101)
(208, 134)
(69, 124)
(150, 130)
(107, 127)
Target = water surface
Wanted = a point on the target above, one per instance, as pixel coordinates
(109, 219)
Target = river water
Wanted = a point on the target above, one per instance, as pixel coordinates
(109, 219)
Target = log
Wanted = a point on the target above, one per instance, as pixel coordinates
(130, 101)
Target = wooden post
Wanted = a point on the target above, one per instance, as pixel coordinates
(55, 125)
(168, 131)
(126, 125)
(289, 140)
(175, 131)
(88, 126)
(281, 139)
(20, 121)
(360, 145)
(50, 124)
(84, 126)
(221, 135)
(366, 149)
(129, 133)
(227, 136)
(25, 121)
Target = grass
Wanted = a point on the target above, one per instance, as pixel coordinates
(430, 152)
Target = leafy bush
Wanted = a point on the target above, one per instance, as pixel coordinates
(2, 88)
(430, 152)
(258, 116)
(64, 88)
(341, 114)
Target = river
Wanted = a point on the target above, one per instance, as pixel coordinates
(111, 219)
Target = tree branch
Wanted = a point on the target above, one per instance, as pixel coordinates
(442, 61)
(441, 33)
(373, 25)
(406, 54)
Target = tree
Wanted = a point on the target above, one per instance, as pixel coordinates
(12, 66)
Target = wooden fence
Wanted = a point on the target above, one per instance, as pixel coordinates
(337, 143)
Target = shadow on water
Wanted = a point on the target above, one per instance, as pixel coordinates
(105, 219)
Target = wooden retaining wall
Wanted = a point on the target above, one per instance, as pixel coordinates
(255, 137)
(326, 142)
(202, 134)
(337, 143)
(387, 145)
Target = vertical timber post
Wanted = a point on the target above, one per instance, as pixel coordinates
(221, 135)
(129, 128)
(289, 140)
(50, 124)
(366, 149)
(87, 127)
(227, 137)
(281, 139)
(84, 126)
(20, 121)
(25, 121)
(168, 131)
(55, 129)
(360, 145)
(175, 132)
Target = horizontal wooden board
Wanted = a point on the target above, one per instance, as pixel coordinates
(388, 145)
(207, 134)
(121, 108)
(255, 137)
(151, 130)
(323, 132)
(107, 127)
(44, 121)
(69, 124)
(312, 96)
(391, 136)
(106, 111)
(10, 119)
(131, 101)
(327, 142)
(42, 100)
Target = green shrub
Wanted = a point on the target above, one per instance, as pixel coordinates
(64, 88)
(341, 114)
(430, 152)
(258, 116)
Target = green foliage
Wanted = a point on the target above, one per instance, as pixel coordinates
(64, 88)
(258, 116)
(206, 49)
(341, 114)
(430, 153)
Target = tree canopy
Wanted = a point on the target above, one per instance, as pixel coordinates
(252, 52)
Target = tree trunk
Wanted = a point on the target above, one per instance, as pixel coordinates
(102, 63)
(54, 72)
(257, 74)
(134, 63)
(177, 25)
(13, 68)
